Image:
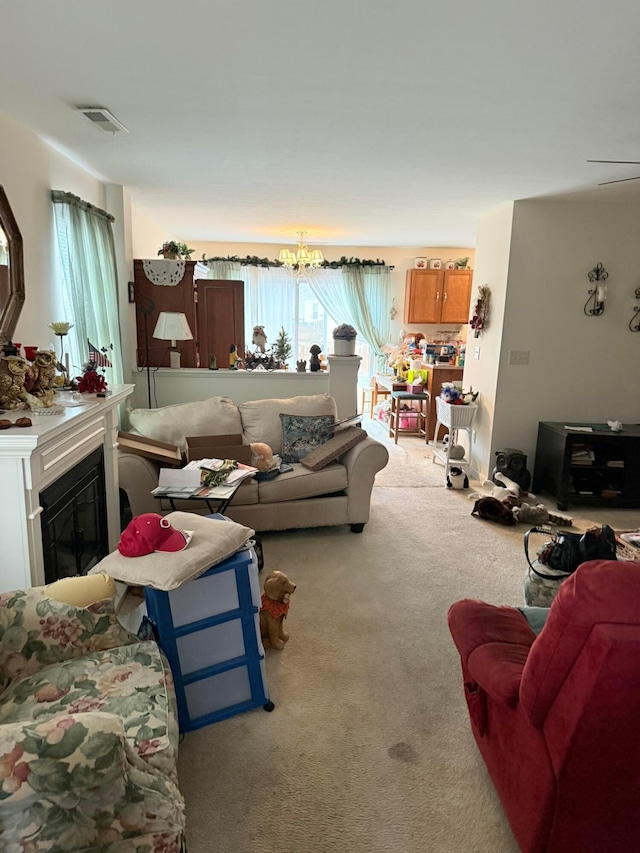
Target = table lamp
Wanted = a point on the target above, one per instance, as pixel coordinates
(173, 326)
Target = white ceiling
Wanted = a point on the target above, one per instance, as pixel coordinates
(363, 122)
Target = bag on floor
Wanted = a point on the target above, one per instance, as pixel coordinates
(564, 552)
(560, 556)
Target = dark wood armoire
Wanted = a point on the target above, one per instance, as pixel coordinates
(214, 311)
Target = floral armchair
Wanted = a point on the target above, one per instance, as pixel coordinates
(88, 733)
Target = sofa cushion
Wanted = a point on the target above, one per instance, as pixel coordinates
(132, 682)
(303, 433)
(303, 483)
(215, 416)
(213, 542)
(261, 418)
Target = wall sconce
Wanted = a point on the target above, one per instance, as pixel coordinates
(594, 306)
(634, 322)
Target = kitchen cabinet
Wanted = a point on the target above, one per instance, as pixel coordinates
(438, 296)
(601, 468)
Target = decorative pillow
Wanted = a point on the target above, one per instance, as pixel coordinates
(261, 418)
(215, 416)
(213, 541)
(342, 441)
(303, 433)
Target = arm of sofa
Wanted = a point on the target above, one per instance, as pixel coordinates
(74, 783)
(138, 476)
(36, 631)
(362, 463)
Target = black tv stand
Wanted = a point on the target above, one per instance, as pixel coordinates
(601, 467)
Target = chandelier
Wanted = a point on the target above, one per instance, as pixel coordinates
(303, 263)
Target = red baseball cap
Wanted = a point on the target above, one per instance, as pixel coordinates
(151, 532)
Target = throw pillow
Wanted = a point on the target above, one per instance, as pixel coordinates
(303, 433)
(213, 541)
(342, 441)
(261, 418)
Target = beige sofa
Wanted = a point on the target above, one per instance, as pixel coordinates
(339, 493)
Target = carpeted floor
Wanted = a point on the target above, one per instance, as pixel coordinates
(369, 748)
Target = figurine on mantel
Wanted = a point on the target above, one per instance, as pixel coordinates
(259, 339)
(13, 371)
(233, 357)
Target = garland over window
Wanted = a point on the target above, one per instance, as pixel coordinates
(255, 261)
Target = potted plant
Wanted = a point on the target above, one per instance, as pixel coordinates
(344, 340)
(171, 250)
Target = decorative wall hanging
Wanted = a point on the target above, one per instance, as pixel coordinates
(164, 272)
(480, 319)
(594, 306)
(634, 322)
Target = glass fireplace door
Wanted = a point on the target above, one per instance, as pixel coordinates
(74, 520)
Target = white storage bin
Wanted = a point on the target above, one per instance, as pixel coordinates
(210, 646)
(204, 597)
(220, 691)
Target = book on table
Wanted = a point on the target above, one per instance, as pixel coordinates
(187, 482)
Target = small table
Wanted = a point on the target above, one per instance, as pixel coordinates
(223, 503)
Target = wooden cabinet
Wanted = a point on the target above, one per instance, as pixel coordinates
(220, 319)
(601, 467)
(438, 296)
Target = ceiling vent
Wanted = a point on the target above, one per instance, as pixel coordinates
(103, 119)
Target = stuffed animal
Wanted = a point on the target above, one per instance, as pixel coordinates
(457, 479)
(506, 505)
(259, 339)
(457, 450)
(262, 456)
(278, 589)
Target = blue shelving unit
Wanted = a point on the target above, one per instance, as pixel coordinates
(209, 629)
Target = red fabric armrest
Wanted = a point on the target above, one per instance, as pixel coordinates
(497, 669)
(474, 623)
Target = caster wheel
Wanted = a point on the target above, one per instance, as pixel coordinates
(269, 706)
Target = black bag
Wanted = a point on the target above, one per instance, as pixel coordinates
(566, 551)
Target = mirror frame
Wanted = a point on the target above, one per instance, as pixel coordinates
(10, 312)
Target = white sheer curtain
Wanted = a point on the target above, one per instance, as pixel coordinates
(270, 300)
(224, 269)
(87, 258)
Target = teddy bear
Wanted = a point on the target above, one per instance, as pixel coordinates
(278, 589)
(262, 457)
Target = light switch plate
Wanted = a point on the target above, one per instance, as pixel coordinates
(518, 356)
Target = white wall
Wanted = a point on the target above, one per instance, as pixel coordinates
(481, 374)
(580, 368)
(29, 170)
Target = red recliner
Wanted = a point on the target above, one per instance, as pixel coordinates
(557, 716)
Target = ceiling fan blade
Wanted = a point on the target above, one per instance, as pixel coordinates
(619, 181)
(623, 162)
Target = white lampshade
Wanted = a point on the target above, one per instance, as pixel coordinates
(317, 257)
(172, 326)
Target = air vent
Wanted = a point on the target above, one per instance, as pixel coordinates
(103, 119)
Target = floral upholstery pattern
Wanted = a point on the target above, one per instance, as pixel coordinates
(88, 733)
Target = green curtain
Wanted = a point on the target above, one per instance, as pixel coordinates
(360, 296)
(88, 262)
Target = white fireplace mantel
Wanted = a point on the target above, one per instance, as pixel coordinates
(33, 458)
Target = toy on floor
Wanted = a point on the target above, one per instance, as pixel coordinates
(457, 450)
(278, 589)
(508, 504)
(457, 479)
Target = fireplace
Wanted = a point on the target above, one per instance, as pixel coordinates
(74, 520)
(34, 464)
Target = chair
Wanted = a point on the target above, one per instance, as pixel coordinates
(377, 390)
(557, 716)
